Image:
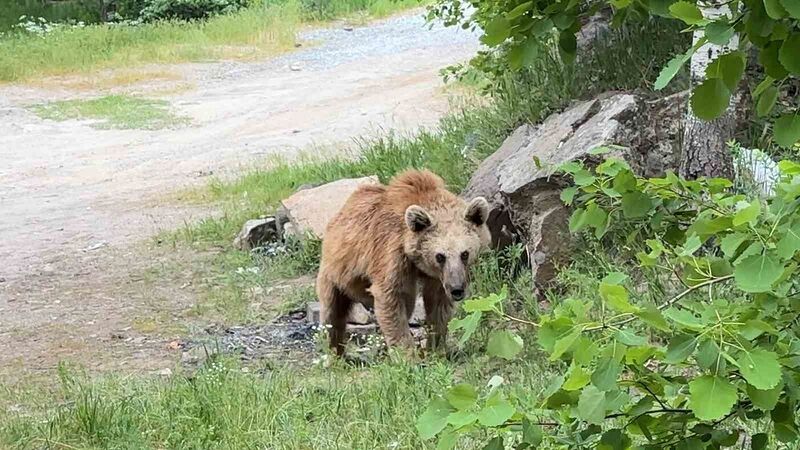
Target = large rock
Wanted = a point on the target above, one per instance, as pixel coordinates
(523, 185)
(308, 211)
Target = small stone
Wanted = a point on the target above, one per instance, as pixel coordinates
(359, 315)
(295, 67)
(312, 313)
(348, 28)
(165, 372)
(255, 233)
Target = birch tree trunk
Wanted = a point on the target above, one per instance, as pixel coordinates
(705, 152)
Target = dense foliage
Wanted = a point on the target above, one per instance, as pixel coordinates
(694, 347)
(188, 9)
(520, 30)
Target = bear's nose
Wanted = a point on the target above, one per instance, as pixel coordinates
(457, 293)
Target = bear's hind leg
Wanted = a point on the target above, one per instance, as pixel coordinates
(334, 308)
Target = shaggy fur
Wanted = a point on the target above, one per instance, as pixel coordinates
(389, 241)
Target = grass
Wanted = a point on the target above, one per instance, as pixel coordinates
(222, 407)
(265, 28)
(114, 111)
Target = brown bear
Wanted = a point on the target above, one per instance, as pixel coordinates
(388, 241)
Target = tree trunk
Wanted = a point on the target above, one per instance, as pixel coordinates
(705, 151)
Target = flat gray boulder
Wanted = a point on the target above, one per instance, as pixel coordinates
(308, 211)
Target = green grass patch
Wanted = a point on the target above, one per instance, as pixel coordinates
(114, 111)
(223, 407)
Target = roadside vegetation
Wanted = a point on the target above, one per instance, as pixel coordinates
(36, 48)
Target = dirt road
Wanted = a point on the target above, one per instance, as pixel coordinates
(74, 198)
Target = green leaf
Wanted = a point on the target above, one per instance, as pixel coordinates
(711, 397)
(680, 347)
(495, 444)
(487, 303)
(774, 9)
(468, 324)
(759, 441)
(523, 54)
(504, 344)
(434, 419)
(788, 54)
(684, 318)
(787, 130)
(461, 419)
(765, 83)
(792, 7)
(583, 178)
(615, 439)
(564, 344)
(728, 67)
(760, 368)
(731, 243)
(767, 101)
(628, 337)
(710, 99)
(606, 374)
(531, 433)
(592, 405)
(671, 69)
(636, 204)
(577, 379)
(496, 412)
(687, 12)
(616, 297)
(747, 213)
(496, 31)
(653, 317)
(790, 242)
(755, 328)
(719, 32)
(768, 57)
(519, 10)
(568, 194)
(757, 273)
(765, 399)
(462, 396)
(692, 244)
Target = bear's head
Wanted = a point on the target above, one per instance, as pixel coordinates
(445, 240)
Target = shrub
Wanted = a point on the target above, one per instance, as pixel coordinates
(188, 9)
(691, 343)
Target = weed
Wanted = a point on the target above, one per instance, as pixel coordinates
(114, 111)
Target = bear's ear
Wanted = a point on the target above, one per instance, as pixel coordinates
(417, 218)
(477, 211)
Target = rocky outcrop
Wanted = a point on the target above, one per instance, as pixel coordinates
(522, 182)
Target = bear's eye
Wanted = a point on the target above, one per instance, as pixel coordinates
(440, 258)
(465, 256)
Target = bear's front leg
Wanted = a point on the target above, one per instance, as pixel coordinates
(438, 311)
(390, 311)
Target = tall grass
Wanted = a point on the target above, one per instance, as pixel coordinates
(253, 31)
(264, 28)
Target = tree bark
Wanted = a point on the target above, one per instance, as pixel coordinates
(705, 150)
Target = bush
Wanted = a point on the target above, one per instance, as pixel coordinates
(186, 9)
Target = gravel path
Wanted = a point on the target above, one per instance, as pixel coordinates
(74, 198)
